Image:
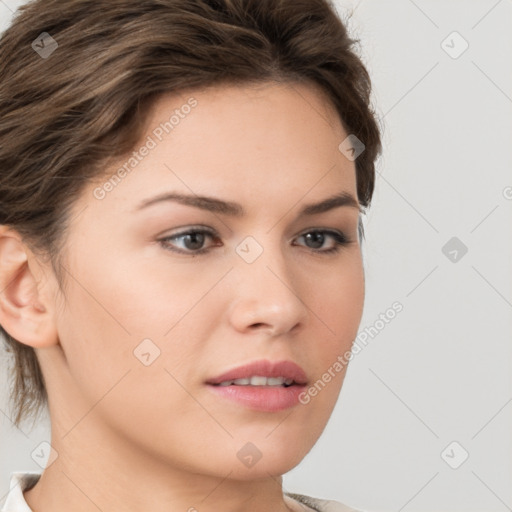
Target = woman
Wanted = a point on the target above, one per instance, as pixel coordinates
(181, 188)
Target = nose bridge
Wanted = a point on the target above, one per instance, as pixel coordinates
(264, 262)
(267, 289)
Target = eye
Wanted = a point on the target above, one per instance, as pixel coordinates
(317, 238)
(192, 241)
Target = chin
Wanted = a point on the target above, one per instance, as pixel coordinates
(264, 469)
(264, 456)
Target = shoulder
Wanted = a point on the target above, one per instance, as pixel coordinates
(20, 481)
(321, 505)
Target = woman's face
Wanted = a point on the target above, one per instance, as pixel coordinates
(148, 324)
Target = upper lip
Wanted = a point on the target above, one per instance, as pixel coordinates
(264, 368)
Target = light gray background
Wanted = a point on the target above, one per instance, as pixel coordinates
(440, 371)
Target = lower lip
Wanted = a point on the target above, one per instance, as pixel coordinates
(261, 398)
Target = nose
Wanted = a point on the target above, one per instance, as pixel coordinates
(267, 295)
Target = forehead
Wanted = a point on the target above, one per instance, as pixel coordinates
(236, 141)
(255, 105)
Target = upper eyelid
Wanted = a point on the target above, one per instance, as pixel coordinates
(213, 232)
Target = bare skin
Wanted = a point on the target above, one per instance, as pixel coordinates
(133, 437)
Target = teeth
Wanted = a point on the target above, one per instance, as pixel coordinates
(241, 382)
(258, 380)
(275, 381)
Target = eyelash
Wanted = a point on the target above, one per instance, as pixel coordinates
(340, 239)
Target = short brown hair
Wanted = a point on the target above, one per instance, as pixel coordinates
(64, 115)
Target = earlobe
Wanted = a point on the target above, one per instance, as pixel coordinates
(26, 312)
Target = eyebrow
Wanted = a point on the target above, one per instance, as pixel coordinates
(215, 205)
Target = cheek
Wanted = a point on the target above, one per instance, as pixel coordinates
(337, 310)
(116, 312)
(95, 346)
(94, 325)
(337, 302)
(112, 384)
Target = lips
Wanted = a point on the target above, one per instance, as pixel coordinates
(262, 386)
(291, 372)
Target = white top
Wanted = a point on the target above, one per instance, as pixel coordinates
(21, 481)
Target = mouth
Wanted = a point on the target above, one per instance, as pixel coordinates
(262, 385)
(259, 380)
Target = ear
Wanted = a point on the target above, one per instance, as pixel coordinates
(26, 307)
